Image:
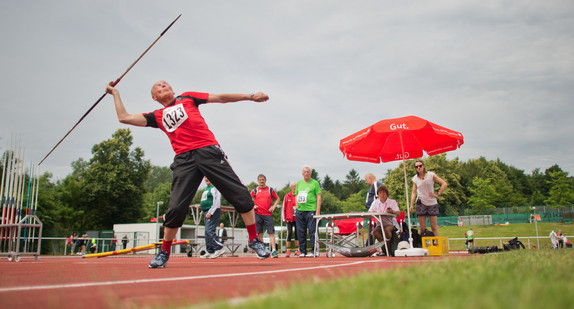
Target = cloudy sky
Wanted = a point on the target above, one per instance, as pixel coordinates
(500, 72)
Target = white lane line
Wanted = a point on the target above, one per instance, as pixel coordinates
(104, 283)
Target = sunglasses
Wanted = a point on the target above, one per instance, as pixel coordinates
(417, 166)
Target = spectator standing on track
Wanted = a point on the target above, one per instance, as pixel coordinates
(222, 233)
(74, 242)
(308, 193)
(288, 215)
(113, 243)
(68, 244)
(373, 183)
(469, 238)
(93, 245)
(198, 154)
(211, 207)
(125, 242)
(423, 191)
(83, 243)
(263, 196)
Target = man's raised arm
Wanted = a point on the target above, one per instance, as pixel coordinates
(123, 116)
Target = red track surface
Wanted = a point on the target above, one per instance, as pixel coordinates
(120, 282)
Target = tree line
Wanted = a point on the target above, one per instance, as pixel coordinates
(118, 185)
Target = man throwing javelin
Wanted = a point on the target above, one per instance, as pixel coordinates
(197, 154)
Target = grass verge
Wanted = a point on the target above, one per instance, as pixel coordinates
(515, 279)
(507, 232)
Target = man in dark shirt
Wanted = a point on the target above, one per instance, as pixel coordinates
(372, 181)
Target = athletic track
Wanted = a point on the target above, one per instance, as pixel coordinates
(127, 282)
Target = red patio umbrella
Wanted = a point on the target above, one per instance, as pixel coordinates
(400, 139)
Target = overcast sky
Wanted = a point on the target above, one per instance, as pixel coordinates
(499, 72)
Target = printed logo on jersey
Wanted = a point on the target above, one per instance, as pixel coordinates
(173, 117)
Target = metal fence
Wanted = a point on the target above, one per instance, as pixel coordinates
(58, 246)
(63, 246)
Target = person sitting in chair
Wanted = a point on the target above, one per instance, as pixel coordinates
(384, 204)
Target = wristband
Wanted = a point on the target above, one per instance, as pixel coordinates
(251, 97)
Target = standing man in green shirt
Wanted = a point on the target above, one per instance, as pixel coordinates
(308, 193)
(469, 238)
(211, 207)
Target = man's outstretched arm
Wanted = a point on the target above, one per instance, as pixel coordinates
(229, 98)
(123, 116)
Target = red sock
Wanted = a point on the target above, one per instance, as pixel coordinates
(166, 246)
(252, 231)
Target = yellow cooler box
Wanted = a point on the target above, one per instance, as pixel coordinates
(436, 245)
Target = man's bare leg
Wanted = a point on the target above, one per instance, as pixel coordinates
(248, 217)
(169, 233)
(272, 241)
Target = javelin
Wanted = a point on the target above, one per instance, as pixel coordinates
(114, 83)
(135, 249)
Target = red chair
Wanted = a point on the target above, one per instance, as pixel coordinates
(346, 232)
(400, 219)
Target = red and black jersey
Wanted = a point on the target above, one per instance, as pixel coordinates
(183, 123)
(263, 198)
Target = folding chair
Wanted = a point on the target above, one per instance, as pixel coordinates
(346, 235)
(346, 232)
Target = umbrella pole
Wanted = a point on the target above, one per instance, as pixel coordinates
(406, 188)
(407, 198)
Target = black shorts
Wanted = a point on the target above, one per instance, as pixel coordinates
(188, 171)
(264, 223)
(427, 211)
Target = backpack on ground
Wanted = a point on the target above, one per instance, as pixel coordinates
(427, 233)
(417, 239)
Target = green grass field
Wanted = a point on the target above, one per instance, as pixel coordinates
(507, 232)
(513, 279)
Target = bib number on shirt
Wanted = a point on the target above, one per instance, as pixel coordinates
(173, 117)
(302, 197)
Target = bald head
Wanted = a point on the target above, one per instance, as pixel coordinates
(370, 179)
(162, 92)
